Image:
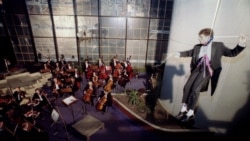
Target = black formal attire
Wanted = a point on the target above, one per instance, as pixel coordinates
(200, 76)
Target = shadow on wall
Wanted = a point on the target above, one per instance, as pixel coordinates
(167, 83)
(241, 120)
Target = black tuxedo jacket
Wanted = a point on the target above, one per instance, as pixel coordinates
(218, 50)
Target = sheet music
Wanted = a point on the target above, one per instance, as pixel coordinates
(69, 100)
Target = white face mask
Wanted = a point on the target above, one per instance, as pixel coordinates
(204, 39)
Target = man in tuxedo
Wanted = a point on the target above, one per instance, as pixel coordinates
(205, 65)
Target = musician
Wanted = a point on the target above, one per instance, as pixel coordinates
(5, 135)
(100, 62)
(49, 63)
(123, 79)
(18, 95)
(77, 75)
(89, 93)
(104, 99)
(62, 60)
(57, 85)
(29, 132)
(86, 65)
(73, 85)
(103, 73)
(95, 80)
(56, 70)
(110, 84)
(46, 68)
(40, 98)
(129, 70)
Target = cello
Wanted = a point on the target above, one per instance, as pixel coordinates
(88, 93)
(101, 102)
(108, 87)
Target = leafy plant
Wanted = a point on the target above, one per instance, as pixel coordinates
(134, 98)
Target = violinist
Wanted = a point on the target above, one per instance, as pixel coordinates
(78, 77)
(45, 69)
(29, 132)
(57, 85)
(18, 95)
(89, 93)
(49, 63)
(5, 135)
(56, 71)
(105, 99)
(40, 98)
(73, 85)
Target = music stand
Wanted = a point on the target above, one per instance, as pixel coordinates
(69, 101)
(55, 114)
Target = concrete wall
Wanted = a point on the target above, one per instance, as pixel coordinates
(222, 112)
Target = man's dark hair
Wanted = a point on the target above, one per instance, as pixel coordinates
(207, 32)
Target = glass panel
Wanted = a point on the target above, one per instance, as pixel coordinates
(45, 46)
(37, 6)
(113, 7)
(112, 27)
(159, 29)
(62, 7)
(87, 7)
(138, 8)
(65, 26)
(41, 26)
(137, 28)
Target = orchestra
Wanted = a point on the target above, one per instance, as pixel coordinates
(66, 78)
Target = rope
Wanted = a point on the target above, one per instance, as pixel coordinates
(215, 14)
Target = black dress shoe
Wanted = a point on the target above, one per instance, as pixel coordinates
(187, 119)
(181, 115)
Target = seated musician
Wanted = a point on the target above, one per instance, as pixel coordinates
(57, 85)
(89, 93)
(77, 75)
(18, 95)
(5, 134)
(56, 70)
(49, 63)
(123, 79)
(45, 68)
(95, 80)
(30, 132)
(110, 84)
(103, 73)
(100, 62)
(104, 99)
(86, 65)
(73, 85)
(40, 99)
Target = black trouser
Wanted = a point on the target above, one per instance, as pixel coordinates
(192, 88)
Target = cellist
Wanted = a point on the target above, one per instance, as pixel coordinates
(105, 99)
(89, 93)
